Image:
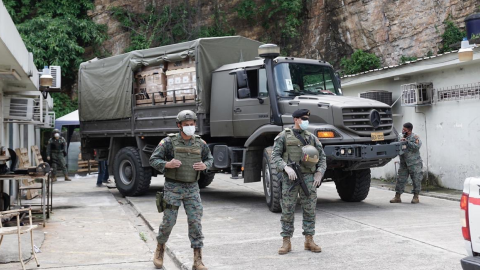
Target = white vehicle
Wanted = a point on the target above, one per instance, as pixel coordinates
(470, 205)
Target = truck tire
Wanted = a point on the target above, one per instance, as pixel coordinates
(130, 177)
(206, 178)
(272, 185)
(353, 186)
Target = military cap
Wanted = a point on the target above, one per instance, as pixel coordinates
(300, 113)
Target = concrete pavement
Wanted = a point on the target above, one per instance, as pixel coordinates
(91, 228)
(241, 233)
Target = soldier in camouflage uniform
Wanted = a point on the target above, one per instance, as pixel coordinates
(56, 152)
(181, 157)
(288, 144)
(410, 164)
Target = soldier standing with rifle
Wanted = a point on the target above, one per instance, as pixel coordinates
(301, 149)
(56, 152)
(181, 157)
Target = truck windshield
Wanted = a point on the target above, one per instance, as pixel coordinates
(304, 79)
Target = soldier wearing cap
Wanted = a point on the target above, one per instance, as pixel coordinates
(410, 164)
(181, 157)
(304, 148)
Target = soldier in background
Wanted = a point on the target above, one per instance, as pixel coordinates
(410, 164)
(56, 152)
(296, 144)
(181, 157)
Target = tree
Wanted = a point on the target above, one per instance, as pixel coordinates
(360, 61)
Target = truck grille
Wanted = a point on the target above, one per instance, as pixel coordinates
(358, 120)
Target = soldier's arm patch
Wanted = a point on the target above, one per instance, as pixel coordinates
(417, 141)
(162, 142)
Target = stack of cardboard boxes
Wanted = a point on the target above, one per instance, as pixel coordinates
(179, 82)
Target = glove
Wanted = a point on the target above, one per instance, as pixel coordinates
(48, 158)
(291, 173)
(64, 153)
(317, 179)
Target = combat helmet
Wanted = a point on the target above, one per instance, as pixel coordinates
(55, 131)
(186, 115)
(310, 156)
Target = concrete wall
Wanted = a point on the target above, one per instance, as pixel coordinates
(449, 130)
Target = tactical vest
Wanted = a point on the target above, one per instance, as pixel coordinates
(56, 145)
(188, 155)
(294, 149)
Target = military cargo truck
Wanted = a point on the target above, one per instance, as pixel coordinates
(244, 95)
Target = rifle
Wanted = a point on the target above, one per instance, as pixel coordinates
(300, 181)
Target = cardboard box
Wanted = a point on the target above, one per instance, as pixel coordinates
(185, 63)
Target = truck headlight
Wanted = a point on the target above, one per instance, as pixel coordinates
(342, 151)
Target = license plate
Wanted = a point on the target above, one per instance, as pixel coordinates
(377, 136)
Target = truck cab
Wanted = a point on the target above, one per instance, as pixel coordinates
(470, 214)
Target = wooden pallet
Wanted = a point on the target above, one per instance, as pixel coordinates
(37, 155)
(87, 165)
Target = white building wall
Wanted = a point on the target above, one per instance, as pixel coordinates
(449, 130)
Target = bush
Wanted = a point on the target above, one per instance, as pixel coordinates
(405, 59)
(452, 35)
(360, 61)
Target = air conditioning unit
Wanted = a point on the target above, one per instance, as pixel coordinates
(56, 73)
(415, 94)
(378, 95)
(18, 108)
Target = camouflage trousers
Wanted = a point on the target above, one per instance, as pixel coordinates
(58, 162)
(188, 193)
(415, 172)
(289, 201)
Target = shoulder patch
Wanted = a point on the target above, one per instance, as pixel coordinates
(162, 142)
(416, 137)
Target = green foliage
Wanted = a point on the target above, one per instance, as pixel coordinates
(360, 61)
(280, 18)
(171, 24)
(429, 54)
(475, 36)
(405, 59)
(452, 35)
(63, 104)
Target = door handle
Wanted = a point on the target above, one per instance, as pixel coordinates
(237, 110)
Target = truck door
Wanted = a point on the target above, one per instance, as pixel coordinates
(252, 112)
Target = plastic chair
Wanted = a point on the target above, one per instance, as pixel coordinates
(18, 230)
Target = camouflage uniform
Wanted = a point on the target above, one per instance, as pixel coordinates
(410, 164)
(289, 199)
(176, 191)
(55, 150)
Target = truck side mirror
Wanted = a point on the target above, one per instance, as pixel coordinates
(243, 93)
(241, 75)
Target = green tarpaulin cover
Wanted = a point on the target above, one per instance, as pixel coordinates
(105, 86)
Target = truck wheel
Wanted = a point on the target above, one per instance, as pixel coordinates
(353, 186)
(130, 177)
(272, 186)
(206, 178)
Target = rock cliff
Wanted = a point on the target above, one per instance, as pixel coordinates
(331, 29)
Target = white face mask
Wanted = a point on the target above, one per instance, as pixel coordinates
(188, 130)
(56, 135)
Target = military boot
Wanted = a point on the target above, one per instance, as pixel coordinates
(415, 198)
(67, 178)
(396, 199)
(197, 260)
(54, 178)
(286, 247)
(310, 245)
(158, 257)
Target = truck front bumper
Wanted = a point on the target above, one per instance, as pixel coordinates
(360, 152)
(471, 263)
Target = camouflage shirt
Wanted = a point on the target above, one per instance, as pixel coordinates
(411, 154)
(279, 149)
(164, 152)
(61, 142)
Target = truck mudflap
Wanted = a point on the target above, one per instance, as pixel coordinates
(360, 152)
(470, 263)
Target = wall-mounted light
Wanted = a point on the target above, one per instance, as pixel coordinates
(46, 80)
